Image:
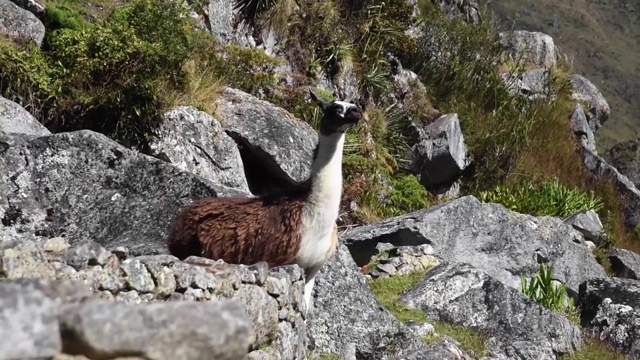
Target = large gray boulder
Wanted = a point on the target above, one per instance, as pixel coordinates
(629, 193)
(440, 155)
(82, 185)
(598, 109)
(347, 318)
(460, 294)
(492, 238)
(588, 223)
(581, 129)
(159, 331)
(20, 24)
(625, 263)
(278, 142)
(194, 141)
(14, 119)
(529, 48)
(34, 6)
(611, 312)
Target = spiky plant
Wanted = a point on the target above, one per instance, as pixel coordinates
(250, 10)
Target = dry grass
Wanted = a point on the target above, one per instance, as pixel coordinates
(203, 88)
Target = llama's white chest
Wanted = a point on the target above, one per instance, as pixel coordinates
(316, 240)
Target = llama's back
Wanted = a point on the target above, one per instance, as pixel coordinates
(238, 230)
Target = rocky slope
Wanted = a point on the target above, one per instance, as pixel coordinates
(85, 274)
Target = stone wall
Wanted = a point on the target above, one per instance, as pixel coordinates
(271, 298)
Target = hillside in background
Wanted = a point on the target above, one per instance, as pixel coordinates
(603, 39)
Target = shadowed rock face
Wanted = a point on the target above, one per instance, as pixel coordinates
(611, 312)
(81, 185)
(282, 144)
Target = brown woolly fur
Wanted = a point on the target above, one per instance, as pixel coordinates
(262, 229)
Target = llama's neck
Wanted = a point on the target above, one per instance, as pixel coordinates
(326, 175)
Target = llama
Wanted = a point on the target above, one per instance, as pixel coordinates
(296, 226)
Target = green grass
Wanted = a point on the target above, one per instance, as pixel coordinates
(549, 199)
(595, 350)
(388, 291)
(603, 50)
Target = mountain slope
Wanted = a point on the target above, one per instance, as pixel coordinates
(603, 37)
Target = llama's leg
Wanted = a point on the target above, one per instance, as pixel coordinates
(310, 280)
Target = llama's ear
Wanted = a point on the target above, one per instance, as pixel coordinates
(321, 103)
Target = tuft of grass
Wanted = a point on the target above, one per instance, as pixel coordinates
(388, 290)
(595, 350)
(550, 199)
(469, 340)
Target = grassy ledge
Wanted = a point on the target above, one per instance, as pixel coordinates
(388, 291)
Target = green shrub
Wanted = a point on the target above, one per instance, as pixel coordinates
(545, 292)
(550, 199)
(112, 76)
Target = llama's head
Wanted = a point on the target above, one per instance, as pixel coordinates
(338, 116)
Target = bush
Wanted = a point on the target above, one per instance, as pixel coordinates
(111, 76)
(550, 199)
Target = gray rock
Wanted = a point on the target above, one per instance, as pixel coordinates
(441, 155)
(345, 311)
(580, 127)
(224, 25)
(14, 119)
(441, 350)
(281, 142)
(19, 23)
(625, 263)
(28, 323)
(588, 223)
(137, 276)
(194, 141)
(611, 312)
(86, 253)
(263, 310)
(625, 157)
(170, 330)
(24, 260)
(598, 107)
(82, 185)
(60, 291)
(629, 194)
(34, 6)
(459, 293)
(533, 84)
(344, 85)
(529, 48)
(500, 242)
(466, 10)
